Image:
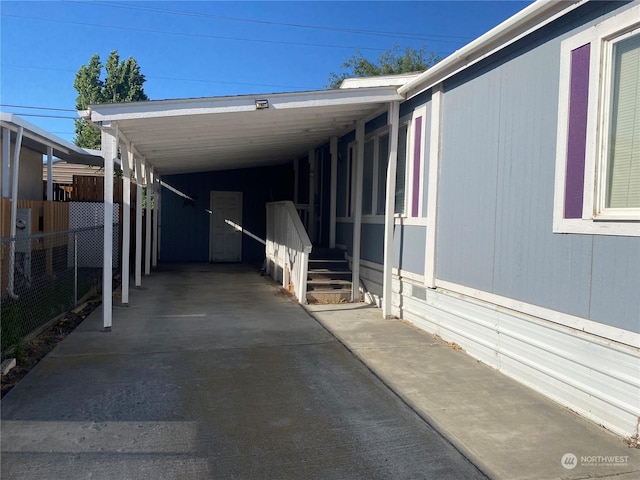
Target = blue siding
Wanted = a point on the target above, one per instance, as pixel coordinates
(185, 225)
(616, 262)
(496, 190)
(344, 236)
(409, 248)
(378, 122)
(467, 186)
(372, 242)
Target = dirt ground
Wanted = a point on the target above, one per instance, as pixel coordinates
(36, 349)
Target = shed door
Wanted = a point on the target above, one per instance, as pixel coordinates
(225, 241)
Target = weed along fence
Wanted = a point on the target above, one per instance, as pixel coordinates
(54, 260)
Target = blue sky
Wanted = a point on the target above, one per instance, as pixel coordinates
(204, 48)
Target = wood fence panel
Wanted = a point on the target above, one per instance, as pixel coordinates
(91, 189)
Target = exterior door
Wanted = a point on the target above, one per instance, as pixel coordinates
(225, 239)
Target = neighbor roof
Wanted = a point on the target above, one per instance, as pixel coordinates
(35, 138)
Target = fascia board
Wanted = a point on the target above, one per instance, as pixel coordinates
(244, 103)
(61, 148)
(528, 20)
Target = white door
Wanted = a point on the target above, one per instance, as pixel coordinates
(225, 239)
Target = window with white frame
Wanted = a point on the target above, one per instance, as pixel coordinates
(401, 168)
(598, 151)
(376, 159)
(410, 186)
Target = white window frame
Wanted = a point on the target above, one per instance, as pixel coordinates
(405, 121)
(375, 137)
(595, 218)
(419, 112)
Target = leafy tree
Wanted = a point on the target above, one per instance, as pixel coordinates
(123, 83)
(389, 62)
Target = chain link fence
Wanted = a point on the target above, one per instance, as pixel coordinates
(46, 275)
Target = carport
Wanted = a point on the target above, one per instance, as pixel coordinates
(157, 138)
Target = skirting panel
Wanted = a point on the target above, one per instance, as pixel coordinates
(595, 377)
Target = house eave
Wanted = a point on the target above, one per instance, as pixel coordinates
(528, 20)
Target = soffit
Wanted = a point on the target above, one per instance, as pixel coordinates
(193, 135)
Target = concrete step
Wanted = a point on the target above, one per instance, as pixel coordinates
(328, 284)
(328, 274)
(329, 277)
(327, 253)
(328, 264)
(341, 295)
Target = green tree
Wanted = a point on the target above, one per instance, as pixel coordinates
(123, 83)
(389, 62)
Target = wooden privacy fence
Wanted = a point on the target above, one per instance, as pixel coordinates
(91, 189)
(46, 217)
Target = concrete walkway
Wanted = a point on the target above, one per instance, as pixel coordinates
(509, 431)
(213, 373)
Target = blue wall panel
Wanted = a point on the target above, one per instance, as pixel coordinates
(496, 189)
(409, 248)
(185, 224)
(344, 235)
(372, 242)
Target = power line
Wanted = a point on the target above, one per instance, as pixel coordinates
(38, 108)
(46, 116)
(164, 78)
(195, 35)
(407, 35)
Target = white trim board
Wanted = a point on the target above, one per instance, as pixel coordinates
(594, 377)
(577, 323)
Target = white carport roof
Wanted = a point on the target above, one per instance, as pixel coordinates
(39, 140)
(217, 133)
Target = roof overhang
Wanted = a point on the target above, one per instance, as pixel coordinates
(221, 133)
(39, 140)
(526, 21)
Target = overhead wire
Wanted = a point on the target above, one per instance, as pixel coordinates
(195, 35)
(407, 35)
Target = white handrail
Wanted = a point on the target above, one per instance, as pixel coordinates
(287, 247)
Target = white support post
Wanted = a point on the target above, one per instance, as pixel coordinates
(159, 206)
(14, 211)
(50, 174)
(147, 243)
(296, 173)
(139, 180)
(312, 194)
(357, 212)
(109, 153)
(432, 186)
(127, 163)
(333, 148)
(389, 212)
(6, 162)
(156, 214)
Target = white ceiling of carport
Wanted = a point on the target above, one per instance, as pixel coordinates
(219, 133)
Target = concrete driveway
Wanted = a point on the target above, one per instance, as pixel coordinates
(212, 373)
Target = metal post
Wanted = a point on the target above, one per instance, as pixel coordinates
(127, 162)
(6, 162)
(50, 174)
(75, 269)
(138, 265)
(109, 153)
(147, 234)
(389, 212)
(14, 212)
(333, 148)
(357, 212)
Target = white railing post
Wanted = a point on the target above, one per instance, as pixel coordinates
(288, 246)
